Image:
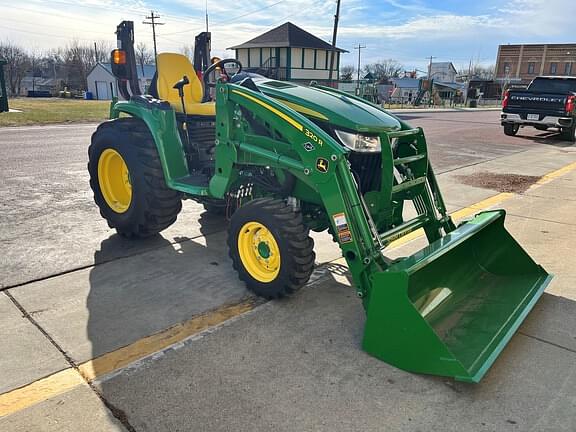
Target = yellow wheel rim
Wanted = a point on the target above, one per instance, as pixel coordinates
(259, 252)
(114, 180)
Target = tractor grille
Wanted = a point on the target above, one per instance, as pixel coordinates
(367, 170)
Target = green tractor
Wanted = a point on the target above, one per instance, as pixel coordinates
(281, 159)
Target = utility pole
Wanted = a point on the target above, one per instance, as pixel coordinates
(153, 23)
(334, 33)
(206, 7)
(430, 80)
(359, 48)
(430, 66)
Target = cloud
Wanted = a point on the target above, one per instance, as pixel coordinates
(407, 30)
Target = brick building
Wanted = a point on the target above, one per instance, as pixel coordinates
(522, 63)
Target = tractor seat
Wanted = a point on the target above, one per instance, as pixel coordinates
(171, 68)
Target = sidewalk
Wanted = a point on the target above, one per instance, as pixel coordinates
(294, 364)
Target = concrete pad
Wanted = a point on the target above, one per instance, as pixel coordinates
(72, 242)
(77, 410)
(25, 354)
(93, 311)
(551, 245)
(553, 319)
(457, 194)
(551, 209)
(297, 365)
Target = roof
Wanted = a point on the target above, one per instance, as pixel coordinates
(287, 35)
(149, 70)
(453, 86)
(406, 82)
(442, 65)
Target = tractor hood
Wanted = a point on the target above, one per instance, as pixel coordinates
(336, 108)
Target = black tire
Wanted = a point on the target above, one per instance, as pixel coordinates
(153, 206)
(296, 247)
(511, 129)
(214, 209)
(568, 134)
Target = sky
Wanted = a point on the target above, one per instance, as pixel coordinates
(408, 31)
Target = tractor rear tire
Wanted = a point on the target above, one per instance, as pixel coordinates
(270, 248)
(511, 129)
(127, 179)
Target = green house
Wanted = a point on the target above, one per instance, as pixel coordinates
(289, 53)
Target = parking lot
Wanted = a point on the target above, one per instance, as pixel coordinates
(106, 334)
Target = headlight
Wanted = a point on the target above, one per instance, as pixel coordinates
(359, 142)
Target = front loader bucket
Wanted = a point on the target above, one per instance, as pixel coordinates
(451, 308)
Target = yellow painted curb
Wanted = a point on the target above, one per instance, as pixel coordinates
(144, 347)
(39, 391)
(70, 378)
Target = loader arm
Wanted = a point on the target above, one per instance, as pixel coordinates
(324, 170)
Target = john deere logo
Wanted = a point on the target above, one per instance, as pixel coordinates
(322, 165)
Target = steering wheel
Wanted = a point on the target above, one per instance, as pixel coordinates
(219, 64)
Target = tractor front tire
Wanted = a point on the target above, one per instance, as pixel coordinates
(270, 248)
(127, 179)
(511, 129)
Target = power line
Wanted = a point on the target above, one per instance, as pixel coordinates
(153, 23)
(195, 29)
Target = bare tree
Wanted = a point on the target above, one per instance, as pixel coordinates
(18, 63)
(79, 60)
(143, 55)
(102, 51)
(384, 69)
(188, 51)
(477, 71)
(347, 72)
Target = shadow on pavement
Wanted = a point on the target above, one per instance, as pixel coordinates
(552, 138)
(297, 365)
(140, 295)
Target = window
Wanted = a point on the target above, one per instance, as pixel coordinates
(506, 68)
(568, 68)
(553, 68)
(530, 68)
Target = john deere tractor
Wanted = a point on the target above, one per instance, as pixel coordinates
(280, 160)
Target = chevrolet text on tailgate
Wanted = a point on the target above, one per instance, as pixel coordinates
(548, 102)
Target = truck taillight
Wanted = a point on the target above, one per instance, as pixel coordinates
(570, 103)
(505, 100)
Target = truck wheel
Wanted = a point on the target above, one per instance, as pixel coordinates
(127, 179)
(270, 248)
(511, 129)
(569, 134)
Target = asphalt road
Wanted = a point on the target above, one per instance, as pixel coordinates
(50, 225)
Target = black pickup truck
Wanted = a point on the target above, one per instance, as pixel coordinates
(548, 102)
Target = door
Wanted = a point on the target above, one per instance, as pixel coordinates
(102, 90)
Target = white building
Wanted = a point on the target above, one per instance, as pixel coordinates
(443, 72)
(102, 83)
(289, 53)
